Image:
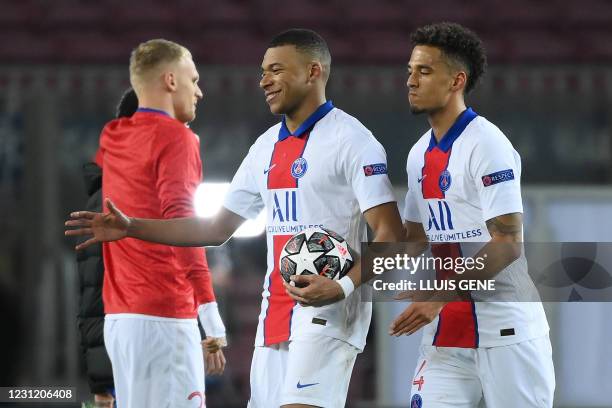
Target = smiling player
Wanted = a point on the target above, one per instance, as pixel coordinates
(318, 167)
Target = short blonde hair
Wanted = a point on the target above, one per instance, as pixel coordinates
(151, 55)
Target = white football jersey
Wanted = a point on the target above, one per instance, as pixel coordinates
(326, 175)
(454, 187)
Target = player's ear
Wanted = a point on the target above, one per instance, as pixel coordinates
(316, 71)
(460, 81)
(170, 81)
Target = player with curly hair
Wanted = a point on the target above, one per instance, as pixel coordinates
(464, 195)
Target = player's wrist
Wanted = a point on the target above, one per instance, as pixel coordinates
(211, 320)
(131, 226)
(347, 285)
(219, 341)
(213, 344)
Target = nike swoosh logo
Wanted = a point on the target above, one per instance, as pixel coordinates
(305, 385)
(421, 179)
(266, 171)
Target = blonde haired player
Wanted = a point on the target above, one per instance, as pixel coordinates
(152, 293)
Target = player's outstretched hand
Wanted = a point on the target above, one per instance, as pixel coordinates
(214, 359)
(314, 290)
(103, 227)
(417, 315)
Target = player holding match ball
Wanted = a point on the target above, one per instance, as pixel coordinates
(318, 167)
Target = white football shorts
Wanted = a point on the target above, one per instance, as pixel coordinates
(313, 370)
(156, 363)
(517, 375)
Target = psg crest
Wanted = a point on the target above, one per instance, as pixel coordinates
(445, 180)
(299, 167)
(416, 401)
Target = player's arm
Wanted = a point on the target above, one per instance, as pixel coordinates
(386, 225)
(501, 204)
(185, 231)
(415, 238)
(414, 232)
(189, 231)
(503, 248)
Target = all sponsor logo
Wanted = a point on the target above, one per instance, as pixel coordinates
(440, 217)
(284, 207)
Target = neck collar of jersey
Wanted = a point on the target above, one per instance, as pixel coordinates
(317, 115)
(454, 132)
(151, 110)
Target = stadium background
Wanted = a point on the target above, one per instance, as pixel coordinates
(63, 66)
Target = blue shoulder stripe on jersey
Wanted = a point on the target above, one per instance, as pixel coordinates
(151, 110)
(454, 132)
(317, 115)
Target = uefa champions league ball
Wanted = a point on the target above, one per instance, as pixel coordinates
(315, 251)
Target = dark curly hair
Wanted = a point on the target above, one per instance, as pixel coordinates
(458, 44)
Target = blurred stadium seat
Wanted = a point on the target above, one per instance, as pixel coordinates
(25, 46)
(68, 15)
(19, 15)
(533, 31)
(537, 45)
(198, 16)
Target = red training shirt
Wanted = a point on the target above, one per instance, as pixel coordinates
(151, 168)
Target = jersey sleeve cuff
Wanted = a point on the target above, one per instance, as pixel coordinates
(365, 206)
(496, 212)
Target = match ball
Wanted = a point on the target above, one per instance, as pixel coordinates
(315, 251)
